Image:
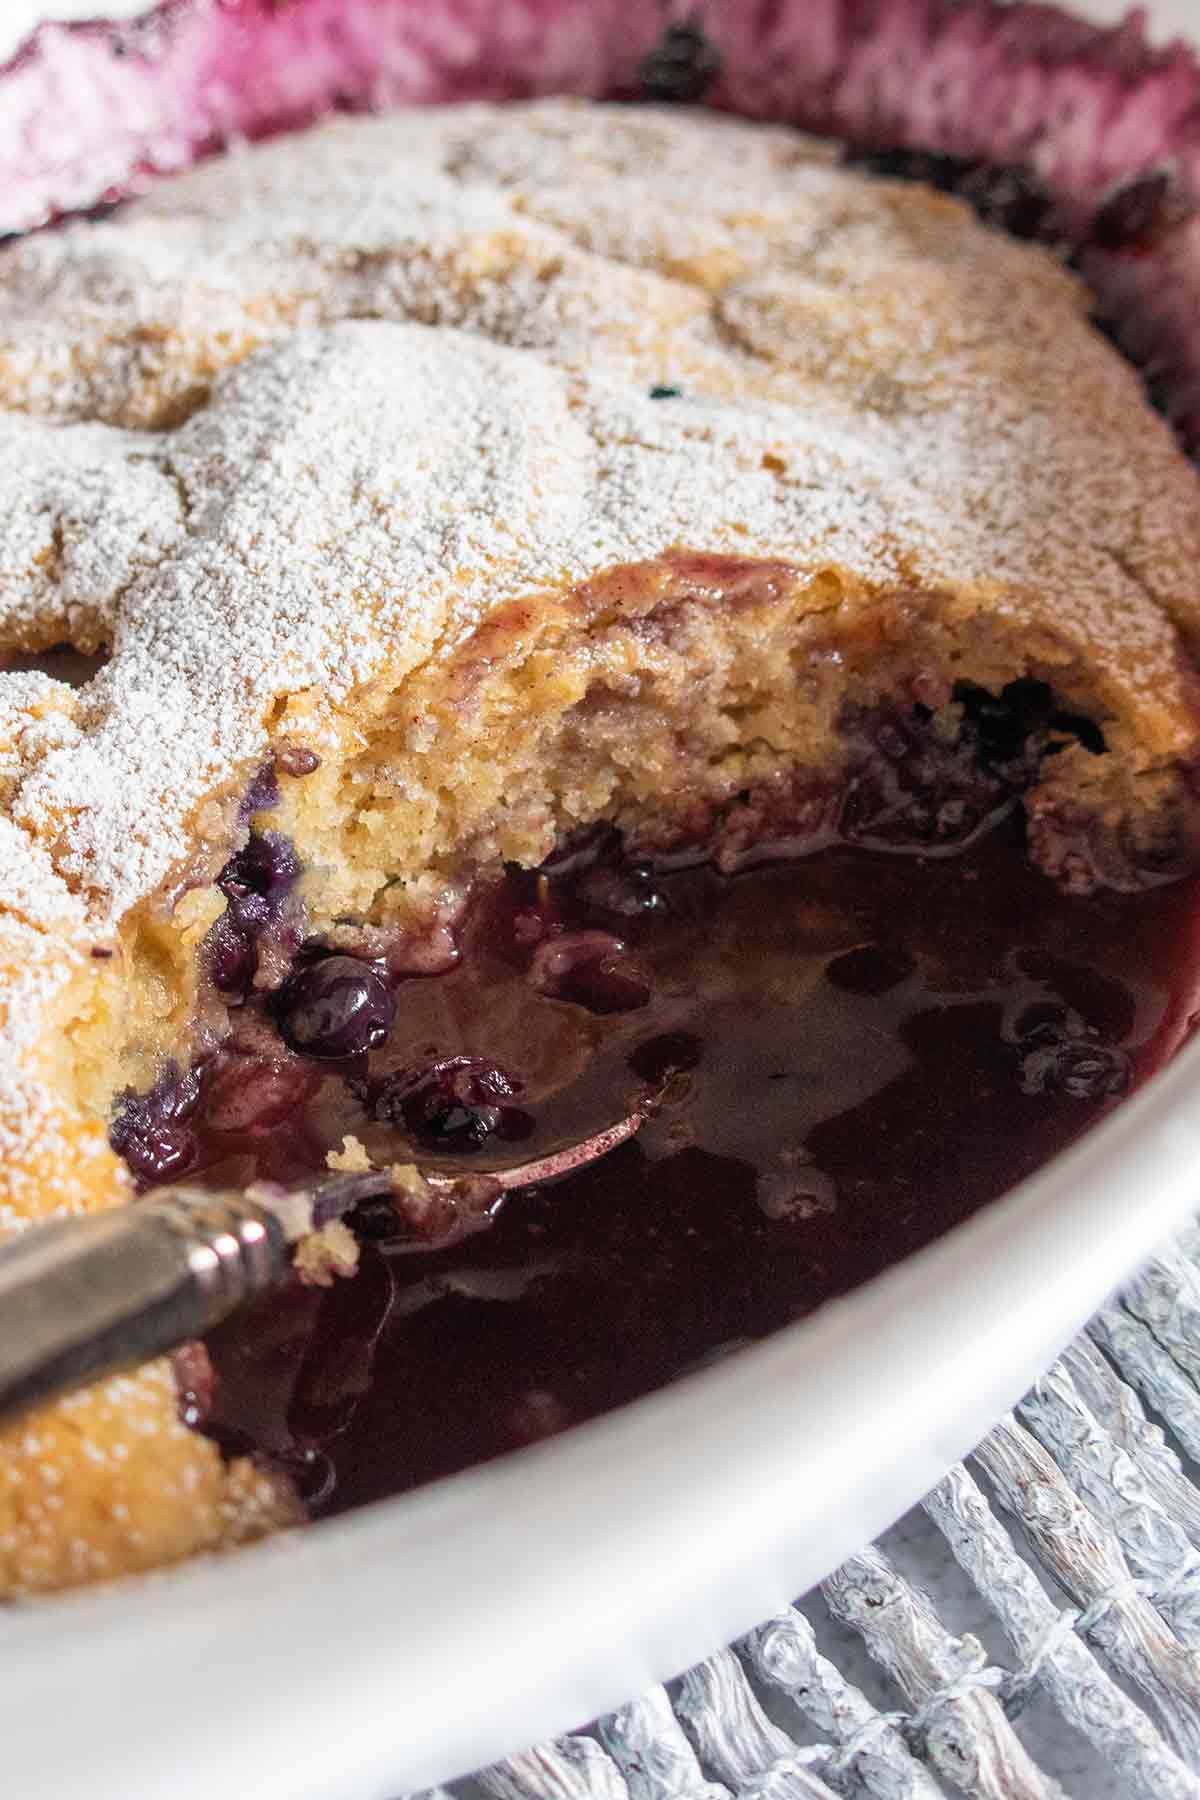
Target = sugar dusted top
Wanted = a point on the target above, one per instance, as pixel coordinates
(452, 323)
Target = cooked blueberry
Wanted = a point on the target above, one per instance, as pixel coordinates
(870, 969)
(230, 957)
(255, 883)
(173, 1097)
(682, 65)
(592, 969)
(658, 392)
(182, 1094)
(1084, 1068)
(918, 779)
(457, 1127)
(257, 878)
(923, 778)
(1002, 194)
(1140, 214)
(149, 1130)
(160, 1154)
(455, 1104)
(262, 794)
(339, 1006)
(250, 912)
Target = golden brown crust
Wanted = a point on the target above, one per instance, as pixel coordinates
(109, 1481)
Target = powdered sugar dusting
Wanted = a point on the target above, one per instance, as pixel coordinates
(306, 416)
(357, 495)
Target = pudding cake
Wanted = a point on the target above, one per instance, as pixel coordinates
(471, 517)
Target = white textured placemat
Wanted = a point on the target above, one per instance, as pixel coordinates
(1031, 1631)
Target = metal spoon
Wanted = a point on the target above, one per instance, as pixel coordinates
(81, 1298)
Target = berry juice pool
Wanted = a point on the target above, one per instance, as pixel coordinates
(848, 1053)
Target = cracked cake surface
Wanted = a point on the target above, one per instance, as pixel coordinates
(504, 477)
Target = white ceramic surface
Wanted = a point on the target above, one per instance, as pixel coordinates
(431, 1634)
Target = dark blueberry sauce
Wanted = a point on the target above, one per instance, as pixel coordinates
(854, 1050)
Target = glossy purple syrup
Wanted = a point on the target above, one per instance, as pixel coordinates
(859, 1050)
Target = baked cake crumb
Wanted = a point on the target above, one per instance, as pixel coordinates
(323, 1256)
(351, 1159)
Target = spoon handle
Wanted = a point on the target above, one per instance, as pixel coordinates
(82, 1298)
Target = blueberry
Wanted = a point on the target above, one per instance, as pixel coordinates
(158, 1153)
(681, 67)
(454, 1104)
(1139, 215)
(256, 880)
(339, 1006)
(149, 1130)
(262, 794)
(180, 1093)
(1003, 194)
(1085, 1068)
(911, 785)
(231, 958)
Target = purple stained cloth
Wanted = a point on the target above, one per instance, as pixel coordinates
(90, 112)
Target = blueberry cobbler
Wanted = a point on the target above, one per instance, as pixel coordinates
(560, 612)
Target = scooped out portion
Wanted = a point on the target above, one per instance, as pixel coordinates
(495, 510)
(838, 1057)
